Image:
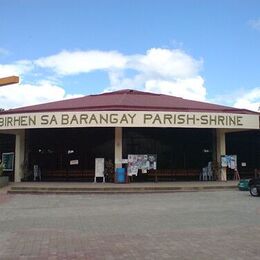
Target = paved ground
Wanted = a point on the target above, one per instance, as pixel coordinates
(192, 225)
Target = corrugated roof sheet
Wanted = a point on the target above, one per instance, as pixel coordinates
(129, 100)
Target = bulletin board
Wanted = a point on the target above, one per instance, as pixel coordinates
(142, 162)
(229, 161)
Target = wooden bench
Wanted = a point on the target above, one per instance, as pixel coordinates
(249, 173)
(68, 175)
(155, 175)
(174, 174)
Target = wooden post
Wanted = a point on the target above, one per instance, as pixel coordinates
(9, 80)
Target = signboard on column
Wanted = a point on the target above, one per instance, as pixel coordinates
(99, 169)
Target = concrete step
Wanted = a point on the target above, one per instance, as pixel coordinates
(112, 190)
(88, 192)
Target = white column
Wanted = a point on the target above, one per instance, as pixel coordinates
(118, 147)
(19, 155)
(221, 150)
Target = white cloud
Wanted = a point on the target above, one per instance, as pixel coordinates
(250, 100)
(170, 71)
(156, 62)
(160, 70)
(165, 71)
(69, 63)
(255, 24)
(118, 80)
(167, 63)
(16, 69)
(27, 94)
(191, 88)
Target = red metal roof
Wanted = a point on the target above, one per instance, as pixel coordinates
(128, 100)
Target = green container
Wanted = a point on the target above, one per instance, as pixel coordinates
(243, 185)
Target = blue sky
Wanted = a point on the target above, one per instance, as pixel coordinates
(201, 50)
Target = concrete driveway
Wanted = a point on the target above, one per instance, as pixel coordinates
(191, 225)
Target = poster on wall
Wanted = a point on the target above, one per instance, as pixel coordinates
(229, 161)
(8, 161)
(74, 162)
(152, 158)
(143, 162)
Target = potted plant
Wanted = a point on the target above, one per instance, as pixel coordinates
(216, 168)
(109, 171)
(4, 180)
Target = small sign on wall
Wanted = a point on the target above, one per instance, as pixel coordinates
(74, 162)
(243, 164)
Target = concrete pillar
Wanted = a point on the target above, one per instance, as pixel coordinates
(221, 150)
(19, 155)
(118, 147)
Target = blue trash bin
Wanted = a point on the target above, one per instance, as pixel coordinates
(120, 175)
